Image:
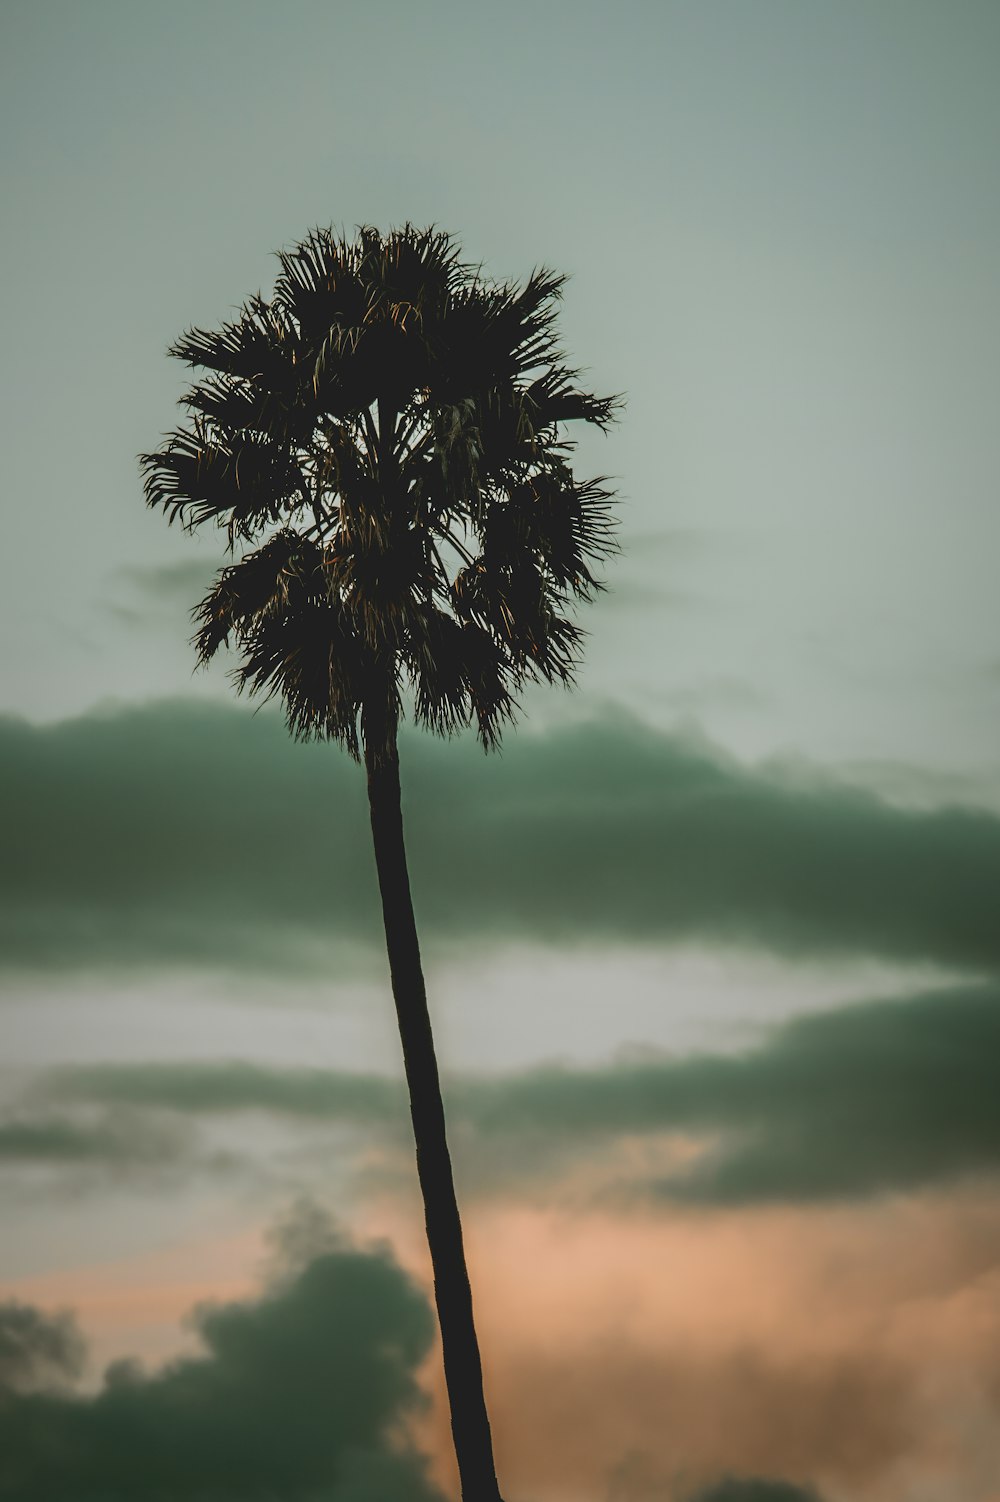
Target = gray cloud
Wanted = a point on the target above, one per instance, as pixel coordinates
(192, 833)
(865, 1099)
(295, 1396)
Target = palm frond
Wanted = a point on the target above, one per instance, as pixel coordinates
(244, 480)
(260, 584)
(556, 398)
(391, 436)
(258, 346)
(233, 406)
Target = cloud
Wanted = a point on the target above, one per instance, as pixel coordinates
(143, 596)
(755, 1489)
(191, 833)
(867, 1099)
(694, 1411)
(297, 1395)
(233, 1086)
(183, 582)
(179, 833)
(847, 1348)
(875, 1097)
(37, 1349)
(115, 1139)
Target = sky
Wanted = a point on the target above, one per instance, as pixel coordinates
(711, 946)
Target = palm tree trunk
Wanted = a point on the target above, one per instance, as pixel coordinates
(470, 1423)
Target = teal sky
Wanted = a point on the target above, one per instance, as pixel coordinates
(782, 224)
(712, 947)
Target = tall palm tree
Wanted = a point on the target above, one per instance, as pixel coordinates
(385, 443)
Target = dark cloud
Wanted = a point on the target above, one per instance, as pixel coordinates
(869, 1098)
(866, 1099)
(296, 1395)
(193, 833)
(114, 1139)
(754, 1489)
(37, 1349)
(179, 834)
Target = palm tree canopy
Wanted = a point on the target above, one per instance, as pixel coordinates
(385, 443)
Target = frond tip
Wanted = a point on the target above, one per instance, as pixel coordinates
(389, 439)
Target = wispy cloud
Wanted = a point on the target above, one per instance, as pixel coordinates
(182, 582)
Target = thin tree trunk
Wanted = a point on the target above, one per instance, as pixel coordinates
(470, 1423)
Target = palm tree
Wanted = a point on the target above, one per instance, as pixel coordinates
(384, 442)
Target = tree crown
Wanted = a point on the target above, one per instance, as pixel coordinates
(385, 443)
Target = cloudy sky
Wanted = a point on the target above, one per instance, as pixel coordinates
(712, 947)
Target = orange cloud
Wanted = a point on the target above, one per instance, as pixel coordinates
(633, 1357)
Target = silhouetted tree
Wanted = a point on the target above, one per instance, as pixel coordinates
(385, 443)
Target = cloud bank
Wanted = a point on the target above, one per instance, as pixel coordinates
(872, 1098)
(192, 833)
